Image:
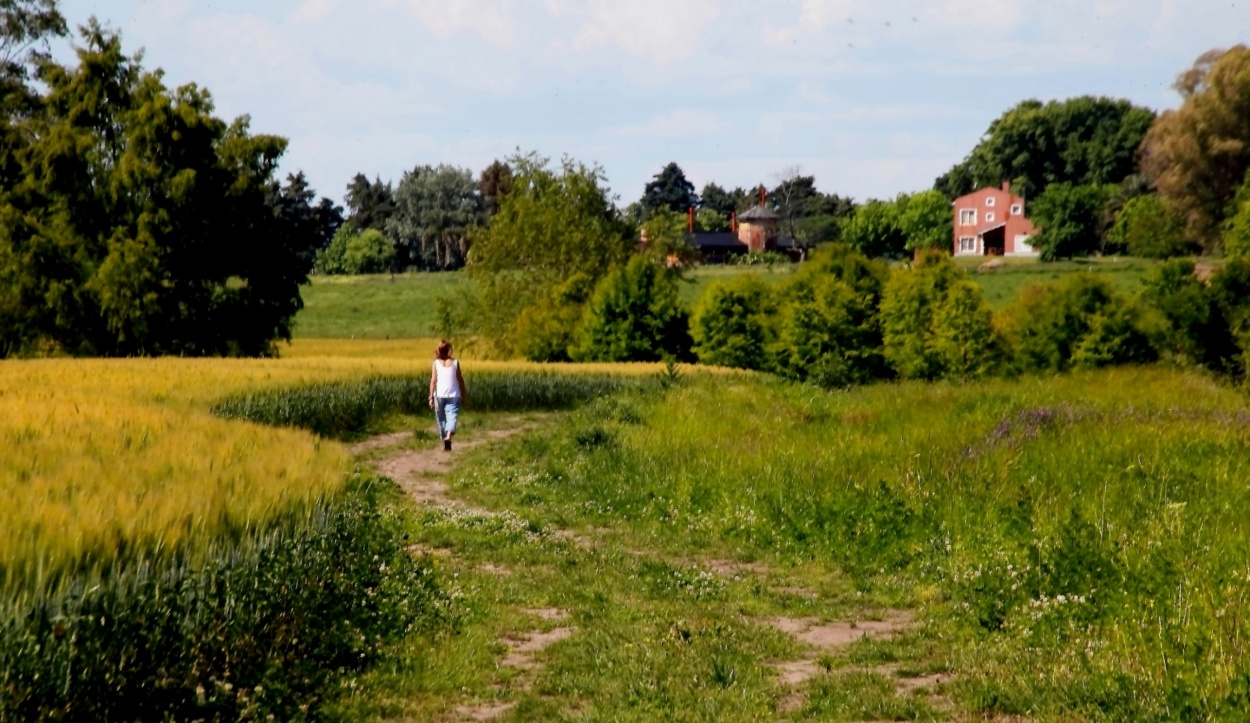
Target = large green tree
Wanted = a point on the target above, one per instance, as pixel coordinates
(876, 230)
(436, 208)
(1199, 154)
(556, 234)
(1081, 141)
(926, 221)
(25, 29)
(1071, 220)
(669, 189)
(139, 223)
(635, 315)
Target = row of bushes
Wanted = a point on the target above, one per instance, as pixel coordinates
(844, 319)
(252, 625)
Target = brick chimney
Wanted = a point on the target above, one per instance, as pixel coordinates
(690, 220)
(1007, 186)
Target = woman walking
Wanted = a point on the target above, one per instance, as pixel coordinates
(446, 392)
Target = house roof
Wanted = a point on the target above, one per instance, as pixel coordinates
(758, 213)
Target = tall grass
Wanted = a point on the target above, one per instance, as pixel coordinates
(249, 623)
(346, 408)
(1080, 541)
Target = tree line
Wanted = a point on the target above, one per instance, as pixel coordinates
(134, 221)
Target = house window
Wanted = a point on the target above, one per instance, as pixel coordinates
(968, 217)
(989, 218)
(989, 202)
(967, 244)
(1016, 209)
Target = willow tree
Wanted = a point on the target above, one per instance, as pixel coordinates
(1198, 155)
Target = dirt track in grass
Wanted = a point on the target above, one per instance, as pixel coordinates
(422, 473)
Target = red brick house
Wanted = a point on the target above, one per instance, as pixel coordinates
(992, 222)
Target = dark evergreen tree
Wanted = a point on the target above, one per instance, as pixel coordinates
(369, 204)
(494, 183)
(669, 189)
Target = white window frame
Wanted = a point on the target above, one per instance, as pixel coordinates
(990, 218)
(967, 244)
(1017, 209)
(965, 214)
(989, 202)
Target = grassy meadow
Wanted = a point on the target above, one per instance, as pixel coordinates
(1072, 549)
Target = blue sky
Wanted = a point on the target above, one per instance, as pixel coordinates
(872, 97)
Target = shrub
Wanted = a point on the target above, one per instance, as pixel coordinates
(1230, 295)
(936, 323)
(733, 325)
(1237, 231)
(1195, 331)
(830, 333)
(546, 332)
(1145, 227)
(1082, 322)
(635, 315)
(367, 252)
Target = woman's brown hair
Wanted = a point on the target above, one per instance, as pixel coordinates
(444, 349)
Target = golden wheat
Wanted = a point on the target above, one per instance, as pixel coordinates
(97, 451)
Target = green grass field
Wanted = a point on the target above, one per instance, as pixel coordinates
(1054, 549)
(1004, 284)
(405, 306)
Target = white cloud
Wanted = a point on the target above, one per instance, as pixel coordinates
(661, 31)
(677, 124)
(814, 17)
(492, 20)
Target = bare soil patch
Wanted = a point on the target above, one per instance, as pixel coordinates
(734, 569)
(484, 712)
(826, 637)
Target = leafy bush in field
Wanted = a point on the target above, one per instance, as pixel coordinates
(252, 624)
(351, 252)
(830, 333)
(1230, 295)
(635, 315)
(936, 323)
(733, 325)
(1082, 322)
(1147, 228)
(344, 409)
(1195, 331)
(546, 332)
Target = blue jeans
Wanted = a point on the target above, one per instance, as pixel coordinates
(446, 410)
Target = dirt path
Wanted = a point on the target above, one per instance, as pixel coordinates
(421, 473)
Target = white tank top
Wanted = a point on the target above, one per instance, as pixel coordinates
(447, 386)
